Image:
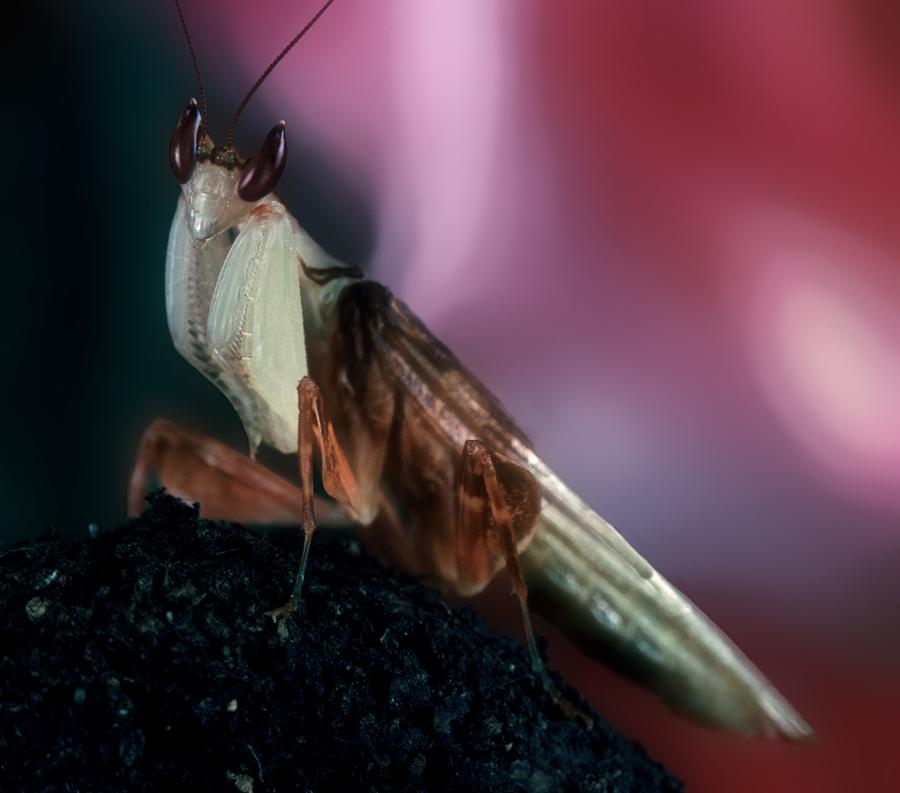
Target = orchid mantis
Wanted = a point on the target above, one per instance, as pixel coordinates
(414, 450)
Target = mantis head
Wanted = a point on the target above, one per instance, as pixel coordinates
(218, 187)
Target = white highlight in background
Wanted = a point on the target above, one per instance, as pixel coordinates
(448, 61)
(823, 327)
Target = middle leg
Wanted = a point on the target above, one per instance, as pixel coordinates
(316, 431)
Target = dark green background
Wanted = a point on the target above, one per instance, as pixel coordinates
(93, 92)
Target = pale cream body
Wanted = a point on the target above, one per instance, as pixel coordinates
(234, 300)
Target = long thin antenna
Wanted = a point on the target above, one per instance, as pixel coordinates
(268, 71)
(190, 44)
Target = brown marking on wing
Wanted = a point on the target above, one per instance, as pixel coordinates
(450, 395)
(359, 399)
(323, 275)
(418, 479)
(438, 406)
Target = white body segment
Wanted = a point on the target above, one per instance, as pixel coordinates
(234, 300)
(255, 323)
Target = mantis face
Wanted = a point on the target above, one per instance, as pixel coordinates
(213, 204)
(219, 189)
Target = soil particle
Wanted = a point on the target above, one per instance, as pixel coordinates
(143, 659)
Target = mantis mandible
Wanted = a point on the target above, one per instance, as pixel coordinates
(414, 450)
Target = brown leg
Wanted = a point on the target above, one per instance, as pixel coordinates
(227, 484)
(499, 502)
(337, 478)
(486, 525)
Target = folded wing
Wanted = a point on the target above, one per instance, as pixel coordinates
(583, 575)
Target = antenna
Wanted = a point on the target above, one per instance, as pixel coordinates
(190, 44)
(265, 74)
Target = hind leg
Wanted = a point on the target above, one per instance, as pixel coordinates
(227, 484)
(499, 503)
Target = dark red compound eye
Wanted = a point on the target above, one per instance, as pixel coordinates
(260, 174)
(183, 145)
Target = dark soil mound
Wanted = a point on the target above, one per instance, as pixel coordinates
(143, 659)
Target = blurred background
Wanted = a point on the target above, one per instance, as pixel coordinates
(667, 237)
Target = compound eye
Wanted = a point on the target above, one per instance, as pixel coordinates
(260, 174)
(183, 145)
